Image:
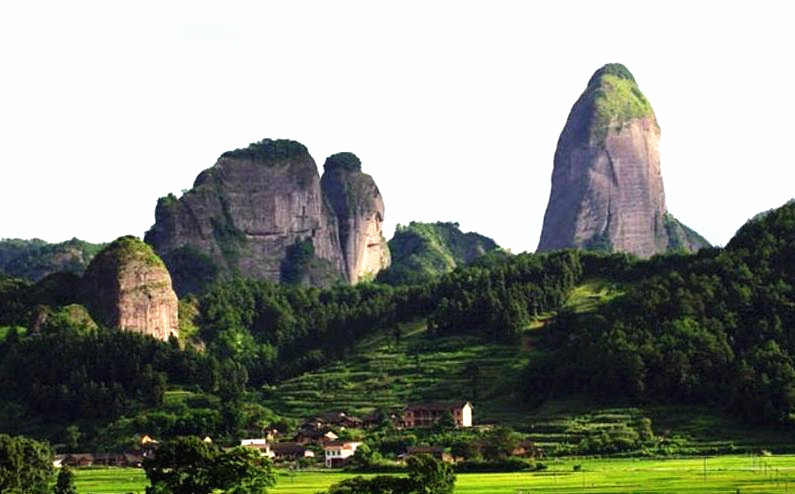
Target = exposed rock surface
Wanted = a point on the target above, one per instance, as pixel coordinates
(607, 189)
(423, 250)
(359, 207)
(127, 286)
(261, 212)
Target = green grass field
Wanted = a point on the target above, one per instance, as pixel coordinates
(771, 474)
(110, 480)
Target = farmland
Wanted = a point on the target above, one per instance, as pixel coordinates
(746, 473)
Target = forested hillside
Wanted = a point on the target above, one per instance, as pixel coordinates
(35, 259)
(712, 329)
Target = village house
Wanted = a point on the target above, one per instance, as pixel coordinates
(315, 436)
(338, 420)
(437, 452)
(338, 453)
(427, 414)
(260, 444)
(290, 451)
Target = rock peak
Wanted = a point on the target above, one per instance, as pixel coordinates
(263, 212)
(127, 286)
(359, 207)
(343, 161)
(607, 189)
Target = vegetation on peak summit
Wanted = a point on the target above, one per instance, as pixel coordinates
(612, 69)
(269, 150)
(343, 161)
(611, 99)
(129, 247)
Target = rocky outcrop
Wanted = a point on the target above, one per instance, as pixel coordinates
(359, 207)
(607, 189)
(127, 286)
(261, 212)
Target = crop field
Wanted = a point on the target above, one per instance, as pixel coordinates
(729, 474)
(110, 480)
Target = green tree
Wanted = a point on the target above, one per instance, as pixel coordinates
(66, 482)
(430, 476)
(188, 465)
(25, 465)
(499, 444)
(72, 437)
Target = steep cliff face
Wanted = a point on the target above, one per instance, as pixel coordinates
(359, 207)
(607, 189)
(243, 214)
(128, 286)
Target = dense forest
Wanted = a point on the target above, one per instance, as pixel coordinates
(34, 259)
(711, 328)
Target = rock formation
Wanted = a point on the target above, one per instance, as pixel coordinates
(127, 286)
(261, 212)
(360, 211)
(607, 189)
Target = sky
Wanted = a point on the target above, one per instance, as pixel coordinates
(454, 107)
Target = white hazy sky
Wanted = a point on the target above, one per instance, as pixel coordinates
(454, 107)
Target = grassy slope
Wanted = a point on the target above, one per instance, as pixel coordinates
(381, 373)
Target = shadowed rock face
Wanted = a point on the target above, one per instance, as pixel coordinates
(128, 287)
(255, 206)
(359, 207)
(247, 209)
(607, 189)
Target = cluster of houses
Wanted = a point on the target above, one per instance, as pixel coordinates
(146, 444)
(312, 437)
(319, 432)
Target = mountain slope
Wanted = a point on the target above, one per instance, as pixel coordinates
(423, 250)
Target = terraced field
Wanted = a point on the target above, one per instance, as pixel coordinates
(384, 372)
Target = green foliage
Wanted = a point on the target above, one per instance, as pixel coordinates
(611, 69)
(426, 475)
(15, 301)
(269, 151)
(188, 465)
(343, 161)
(34, 259)
(126, 249)
(97, 374)
(611, 99)
(499, 444)
(25, 465)
(65, 484)
(297, 261)
(421, 251)
(499, 301)
(711, 328)
(429, 475)
(192, 271)
(680, 237)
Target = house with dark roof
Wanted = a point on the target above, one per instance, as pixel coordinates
(428, 414)
(290, 451)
